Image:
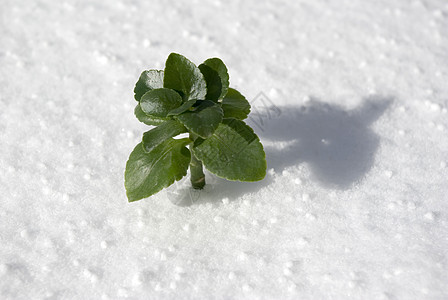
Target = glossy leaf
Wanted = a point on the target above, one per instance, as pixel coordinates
(148, 120)
(183, 76)
(204, 120)
(149, 80)
(161, 133)
(183, 108)
(233, 152)
(235, 105)
(149, 172)
(216, 77)
(160, 102)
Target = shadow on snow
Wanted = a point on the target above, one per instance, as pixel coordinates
(338, 146)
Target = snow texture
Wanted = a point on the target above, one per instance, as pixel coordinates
(349, 98)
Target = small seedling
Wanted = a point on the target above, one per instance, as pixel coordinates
(185, 98)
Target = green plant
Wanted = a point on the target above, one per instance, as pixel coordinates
(185, 98)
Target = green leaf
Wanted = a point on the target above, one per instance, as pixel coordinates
(149, 172)
(161, 133)
(183, 108)
(233, 152)
(217, 78)
(235, 105)
(183, 76)
(149, 80)
(204, 120)
(160, 102)
(148, 120)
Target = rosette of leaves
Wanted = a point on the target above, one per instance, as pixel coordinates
(184, 98)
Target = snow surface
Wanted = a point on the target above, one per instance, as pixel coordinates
(353, 116)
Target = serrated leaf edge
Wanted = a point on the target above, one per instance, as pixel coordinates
(170, 182)
(262, 148)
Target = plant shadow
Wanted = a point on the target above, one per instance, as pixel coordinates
(337, 145)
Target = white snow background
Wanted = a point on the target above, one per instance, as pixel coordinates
(354, 121)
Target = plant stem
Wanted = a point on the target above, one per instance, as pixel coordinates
(197, 174)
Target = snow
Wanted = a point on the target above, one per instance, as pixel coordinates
(352, 113)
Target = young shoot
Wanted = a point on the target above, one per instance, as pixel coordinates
(197, 100)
